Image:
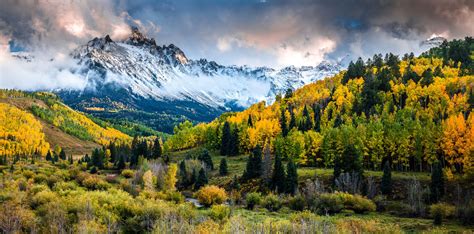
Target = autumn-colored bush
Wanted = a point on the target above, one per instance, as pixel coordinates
(253, 199)
(211, 195)
(219, 213)
(439, 211)
(335, 202)
(95, 183)
(127, 173)
(272, 202)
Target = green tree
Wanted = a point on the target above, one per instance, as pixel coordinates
(121, 162)
(183, 174)
(223, 167)
(278, 178)
(254, 164)
(292, 119)
(249, 121)
(205, 157)
(427, 77)
(62, 154)
(48, 156)
(386, 184)
(284, 126)
(317, 118)
(437, 182)
(157, 150)
(225, 139)
(201, 180)
(291, 178)
(234, 143)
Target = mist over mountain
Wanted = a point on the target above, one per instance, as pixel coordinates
(136, 74)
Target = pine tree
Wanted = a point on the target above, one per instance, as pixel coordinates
(201, 180)
(338, 121)
(427, 77)
(113, 153)
(97, 158)
(267, 164)
(278, 178)
(234, 143)
(194, 177)
(292, 120)
(71, 160)
(386, 184)
(305, 123)
(48, 156)
(284, 126)
(183, 174)
(317, 118)
(62, 154)
(223, 167)
(121, 162)
(249, 121)
(254, 164)
(291, 178)
(205, 157)
(337, 169)
(157, 151)
(437, 182)
(226, 138)
(56, 158)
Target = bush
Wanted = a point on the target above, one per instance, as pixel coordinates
(95, 183)
(211, 195)
(334, 202)
(28, 174)
(40, 178)
(253, 199)
(359, 204)
(175, 197)
(439, 211)
(127, 173)
(297, 203)
(328, 203)
(272, 202)
(219, 213)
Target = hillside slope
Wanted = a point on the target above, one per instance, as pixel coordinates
(50, 122)
(411, 112)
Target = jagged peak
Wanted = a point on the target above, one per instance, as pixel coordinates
(137, 38)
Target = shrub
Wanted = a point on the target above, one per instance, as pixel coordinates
(439, 211)
(28, 174)
(272, 202)
(43, 197)
(334, 202)
(359, 204)
(211, 195)
(219, 213)
(328, 203)
(175, 197)
(297, 203)
(40, 178)
(127, 173)
(253, 199)
(95, 183)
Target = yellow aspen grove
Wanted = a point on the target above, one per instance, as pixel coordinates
(455, 143)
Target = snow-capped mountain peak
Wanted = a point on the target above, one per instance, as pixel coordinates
(151, 73)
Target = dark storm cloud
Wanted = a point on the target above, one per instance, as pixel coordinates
(255, 32)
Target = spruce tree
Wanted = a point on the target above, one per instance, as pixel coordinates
(205, 157)
(223, 167)
(225, 139)
(278, 178)
(386, 184)
(201, 180)
(62, 154)
(249, 121)
(183, 174)
(427, 77)
(97, 158)
(437, 182)
(305, 123)
(234, 143)
(157, 151)
(337, 169)
(56, 158)
(254, 164)
(71, 160)
(291, 178)
(194, 177)
(284, 126)
(113, 153)
(292, 120)
(48, 156)
(317, 118)
(121, 162)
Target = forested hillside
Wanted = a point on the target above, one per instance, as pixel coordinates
(409, 111)
(34, 122)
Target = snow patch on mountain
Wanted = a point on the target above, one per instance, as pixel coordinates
(165, 73)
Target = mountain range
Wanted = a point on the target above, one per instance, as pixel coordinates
(160, 86)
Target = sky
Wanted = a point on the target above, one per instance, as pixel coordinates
(273, 33)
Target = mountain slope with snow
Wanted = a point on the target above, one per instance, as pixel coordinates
(136, 74)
